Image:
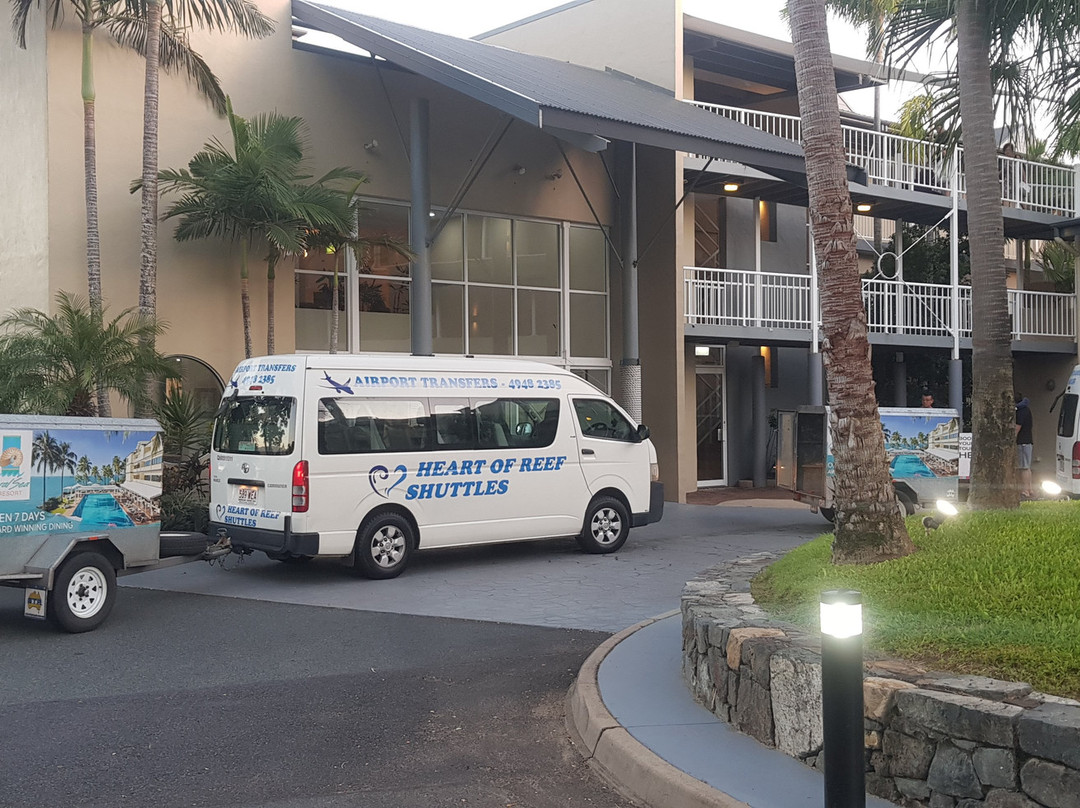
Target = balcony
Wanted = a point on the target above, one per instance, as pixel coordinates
(918, 165)
(919, 312)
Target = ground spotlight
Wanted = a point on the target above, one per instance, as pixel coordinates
(945, 509)
(1053, 490)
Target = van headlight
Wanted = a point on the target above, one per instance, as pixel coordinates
(654, 472)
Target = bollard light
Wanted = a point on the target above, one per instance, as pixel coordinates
(842, 699)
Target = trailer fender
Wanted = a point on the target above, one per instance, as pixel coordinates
(59, 546)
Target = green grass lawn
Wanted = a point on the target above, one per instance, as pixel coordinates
(995, 593)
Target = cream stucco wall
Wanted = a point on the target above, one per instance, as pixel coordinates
(24, 236)
(345, 107)
(639, 37)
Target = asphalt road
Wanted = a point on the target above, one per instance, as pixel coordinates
(307, 688)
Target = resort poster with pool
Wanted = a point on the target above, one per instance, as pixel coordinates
(78, 480)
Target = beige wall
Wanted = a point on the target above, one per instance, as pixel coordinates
(639, 37)
(344, 105)
(24, 237)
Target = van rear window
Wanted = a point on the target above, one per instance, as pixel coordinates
(1067, 419)
(257, 426)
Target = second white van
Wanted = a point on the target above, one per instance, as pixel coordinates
(372, 458)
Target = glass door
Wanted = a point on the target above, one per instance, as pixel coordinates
(711, 426)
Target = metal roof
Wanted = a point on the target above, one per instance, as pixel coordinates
(588, 107)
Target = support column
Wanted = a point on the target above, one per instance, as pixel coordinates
(761, 419)
(629, 384)
(956, 385)
(816, 372)
(419, 227)
(900, 381)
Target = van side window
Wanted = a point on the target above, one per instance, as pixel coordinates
(454, 425)
(599, 419)
(1067, 419)
(362, 426)
(529, 423)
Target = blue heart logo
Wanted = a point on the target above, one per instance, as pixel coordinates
(379, 476)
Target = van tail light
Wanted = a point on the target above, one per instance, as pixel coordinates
(1076, 461)
(300, 489)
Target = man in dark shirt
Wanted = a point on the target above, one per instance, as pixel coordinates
(1023, 442)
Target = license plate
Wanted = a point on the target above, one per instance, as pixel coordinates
(247, 495)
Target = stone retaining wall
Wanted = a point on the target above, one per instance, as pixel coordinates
(933, 740)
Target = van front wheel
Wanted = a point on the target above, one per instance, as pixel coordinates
(606, 527)
(383, 546)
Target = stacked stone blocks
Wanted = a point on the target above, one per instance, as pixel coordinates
(933, 740)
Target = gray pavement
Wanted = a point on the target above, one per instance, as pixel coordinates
(549, 583)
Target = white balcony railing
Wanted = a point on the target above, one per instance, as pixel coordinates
(919, 165)
(746, 299)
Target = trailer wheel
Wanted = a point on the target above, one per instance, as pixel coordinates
(828, 513)
(84, 591)
(907, 504)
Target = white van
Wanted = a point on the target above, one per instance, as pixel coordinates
(374, 457)
(1068, 437)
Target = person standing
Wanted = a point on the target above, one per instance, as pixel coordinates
(927, 399)
(1023, 442)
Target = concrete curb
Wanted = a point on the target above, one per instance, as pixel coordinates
(631, 767)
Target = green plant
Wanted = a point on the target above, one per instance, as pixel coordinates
(185, 510)
(60, 360)
(990, 592)
(1058, 261)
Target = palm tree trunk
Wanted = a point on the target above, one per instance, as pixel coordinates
(334, 319)
(149, 199)
(93, 232)
(271, 275)
(993, 455)
(245, 296)
(868, 523)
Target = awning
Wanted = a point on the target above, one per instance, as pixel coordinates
(584, 106)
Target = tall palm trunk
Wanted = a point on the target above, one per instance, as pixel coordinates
(334, 314)
(993, 455)
(245, 295)
(868, 523)
(271, 276)
(149, 199)
(93, 231)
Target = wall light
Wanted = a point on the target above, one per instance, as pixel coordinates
(864, 207)
(518, 169)
(843, 743)
(555, 175)
(701, 350)
(371, 145)
(731, 187)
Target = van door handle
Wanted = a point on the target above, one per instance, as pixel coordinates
(587, 452)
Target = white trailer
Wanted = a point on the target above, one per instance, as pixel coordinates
(80, 505)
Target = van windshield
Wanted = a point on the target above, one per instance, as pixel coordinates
(259, 426)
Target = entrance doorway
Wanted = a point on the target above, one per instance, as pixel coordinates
(711, 416)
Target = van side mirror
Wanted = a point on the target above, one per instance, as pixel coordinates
(642, 432)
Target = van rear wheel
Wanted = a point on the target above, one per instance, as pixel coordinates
(607, 524)
(383, 546)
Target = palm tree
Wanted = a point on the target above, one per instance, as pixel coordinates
(868, 525)
(117, 470)
(82, 470)
(95, 472)
(239, 16)
(126, 22)
(256, 192)
(65, 461)
(62, 359)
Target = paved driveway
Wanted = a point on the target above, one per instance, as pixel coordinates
(547, 583)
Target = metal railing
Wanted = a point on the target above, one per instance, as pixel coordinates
(920, 165)
(746, 299)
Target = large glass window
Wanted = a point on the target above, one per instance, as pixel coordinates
(491, 256)
(491, 320)
(536, 246)
(588, 267)
(500, 287)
